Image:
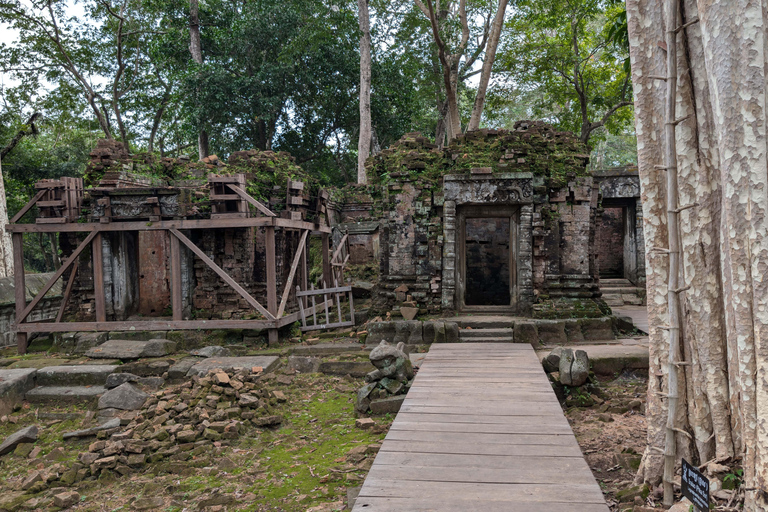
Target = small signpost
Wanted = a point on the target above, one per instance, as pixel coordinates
(695, 487)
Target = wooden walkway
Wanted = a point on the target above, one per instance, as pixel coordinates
(480, 430)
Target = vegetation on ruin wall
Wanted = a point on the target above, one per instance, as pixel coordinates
(532, 146)
(266, 171)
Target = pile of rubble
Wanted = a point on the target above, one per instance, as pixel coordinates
(176, 424)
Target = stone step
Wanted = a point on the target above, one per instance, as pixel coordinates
(486, 333)
(488, 340)
(81, 375)
(484, 322)
(65, 395)
(632, 300)
(632, 290)
(615, 282)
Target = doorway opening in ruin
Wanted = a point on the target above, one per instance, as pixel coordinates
(487, 269)
(616, 238)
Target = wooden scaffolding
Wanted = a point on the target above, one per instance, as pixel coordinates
(59, 204)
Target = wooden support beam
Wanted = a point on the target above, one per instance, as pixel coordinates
(20, 288)
(243, 194)
(231, 282)
(304, 267)
(326, 249)
(97, 250)
(68, 291)
(271, 270)
(176, 303)
(20, 317)
(27, 206)
(292, 275)
(237, 222)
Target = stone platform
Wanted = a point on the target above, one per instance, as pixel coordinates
(14, 384)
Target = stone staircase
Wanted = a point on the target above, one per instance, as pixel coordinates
(81, 384)
(486, 329)
(621, 292)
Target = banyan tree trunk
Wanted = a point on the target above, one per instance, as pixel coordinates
(722, 166)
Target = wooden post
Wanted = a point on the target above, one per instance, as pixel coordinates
(304, 268)
(326, 250)
(98, 278)
(271, 279)
(20, 288)
(176, 304)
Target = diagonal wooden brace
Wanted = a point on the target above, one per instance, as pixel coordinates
(27, 206)
(247, 197)
(231, 282)
(294, 266)
(24, 314)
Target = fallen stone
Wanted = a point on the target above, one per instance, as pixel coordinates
(23, 450)
(408, 312)
(267, 421)
(574, 367)
(216, 499)
(132, 349)
(88, 340)
(211, 351)
(220, 378)
(155, 502)
(551, 363)
(364, 423)
(201, 369)
(25, 435)
(146, 368)
(117, 379)
(526, 332)
(304, 364)
(181, 367)
(31, 479)
(125, 397)
(66, 499)
(353, 368)
(113, 423)
(390, 405)
(13, 385)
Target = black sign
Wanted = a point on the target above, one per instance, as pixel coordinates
(695, 486)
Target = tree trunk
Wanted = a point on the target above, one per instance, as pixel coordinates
(6, 246)
(721, 165)
(196, 49)
(364, 141)
(485, 75)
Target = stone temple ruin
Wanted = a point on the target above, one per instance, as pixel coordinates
(501, 222)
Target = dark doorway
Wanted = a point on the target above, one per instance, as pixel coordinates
(487, 242)
(610, 242)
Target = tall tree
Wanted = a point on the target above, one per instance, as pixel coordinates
(722, 156)
(452, 32)
(571, 52)
(196, 49)
(364, 138)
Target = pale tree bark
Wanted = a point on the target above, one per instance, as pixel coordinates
(722, 165)
(196, 49)
(6, 246)
(364, 141)
(485, 75)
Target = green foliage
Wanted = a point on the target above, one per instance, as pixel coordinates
(568, 59)
(733, 480)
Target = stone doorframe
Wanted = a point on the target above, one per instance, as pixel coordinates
(486, 211)
(506, 193)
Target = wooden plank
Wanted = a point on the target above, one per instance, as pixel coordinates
(494, 449)
(97, 251)
(67, 291)
(242, 222)
(176, 302)
(28, 206)
(20, 289)
(247, 197)
(461, 504)
(301, 308)
(474, 437)
(512, 494)
(337, 289)
(292, 274)
(231, 282)
(447, 467)
(325, 250)
(20, 317)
